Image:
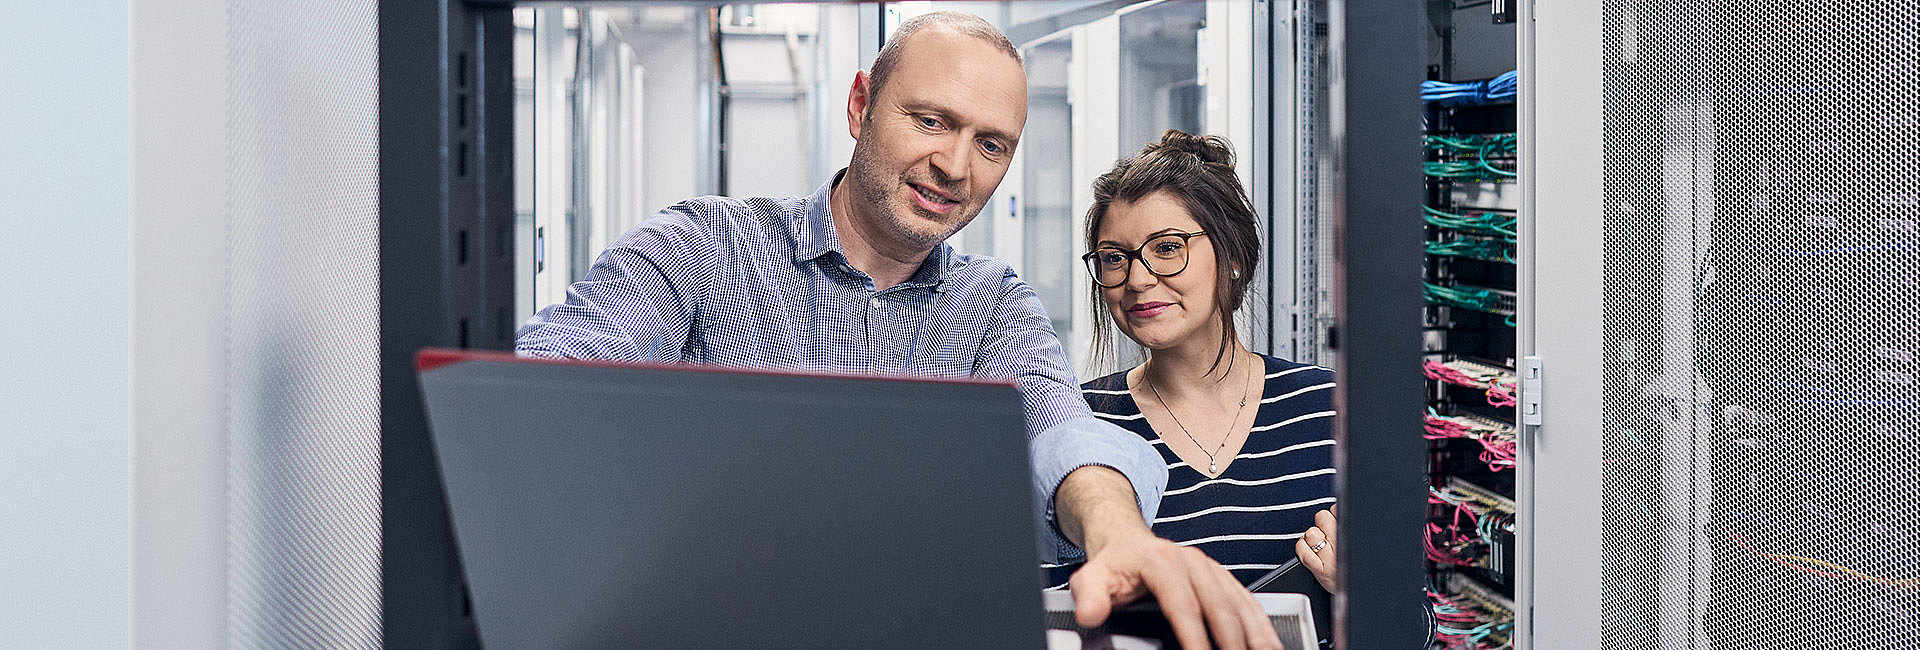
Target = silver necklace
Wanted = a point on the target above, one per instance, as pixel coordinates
(1213, 464)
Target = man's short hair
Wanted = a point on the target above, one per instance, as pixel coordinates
(959, 23)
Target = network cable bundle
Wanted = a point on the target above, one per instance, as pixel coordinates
(1470, 311)
(1490, 91)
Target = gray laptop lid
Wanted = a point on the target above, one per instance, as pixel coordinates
(603, 506)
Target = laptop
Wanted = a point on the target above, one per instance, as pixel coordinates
(601, 505)
(1294, 578)
(1140, 626)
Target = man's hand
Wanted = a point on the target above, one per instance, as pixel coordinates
(1315, 547)
(1125, 561)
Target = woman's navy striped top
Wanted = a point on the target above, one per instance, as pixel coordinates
(1248, 518)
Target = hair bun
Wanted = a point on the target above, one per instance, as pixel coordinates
(1209, 149)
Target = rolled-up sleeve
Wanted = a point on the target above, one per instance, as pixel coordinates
(1062, 433)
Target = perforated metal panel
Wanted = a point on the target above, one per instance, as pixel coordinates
(302, 330)
(1762, 318)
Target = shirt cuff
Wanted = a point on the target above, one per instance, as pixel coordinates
(1079, 442)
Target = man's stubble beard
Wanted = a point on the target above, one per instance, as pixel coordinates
(870, 193)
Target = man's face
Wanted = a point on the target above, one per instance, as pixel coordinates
(934, 143)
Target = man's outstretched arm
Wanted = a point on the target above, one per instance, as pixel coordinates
(638, 300)
(1100, 484)
(1125, 561)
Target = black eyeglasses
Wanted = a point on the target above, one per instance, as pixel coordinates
(1164, 255)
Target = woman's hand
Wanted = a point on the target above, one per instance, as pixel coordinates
(1315, 547)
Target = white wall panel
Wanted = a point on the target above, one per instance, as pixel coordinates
(178, 324)
(64, 523)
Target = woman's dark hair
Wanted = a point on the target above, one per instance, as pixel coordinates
(1199, 172)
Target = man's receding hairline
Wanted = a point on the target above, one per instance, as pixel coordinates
(952, 22)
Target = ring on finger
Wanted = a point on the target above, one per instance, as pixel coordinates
(1317, 546)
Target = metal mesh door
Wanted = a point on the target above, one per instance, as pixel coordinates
(1762, 317)
(303, 409)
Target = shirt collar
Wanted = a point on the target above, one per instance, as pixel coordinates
(817, 236)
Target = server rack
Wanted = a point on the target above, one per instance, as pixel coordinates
(1471, 222)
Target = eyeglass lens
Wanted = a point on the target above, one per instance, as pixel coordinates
(1164, 255)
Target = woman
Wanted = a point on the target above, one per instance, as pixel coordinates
(1248, 438)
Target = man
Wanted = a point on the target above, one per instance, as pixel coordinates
(858, 278)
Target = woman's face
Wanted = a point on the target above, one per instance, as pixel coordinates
(1161, 312)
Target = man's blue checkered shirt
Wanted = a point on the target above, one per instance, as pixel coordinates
(762, 282)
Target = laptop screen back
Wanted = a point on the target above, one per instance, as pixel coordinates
(618, 506)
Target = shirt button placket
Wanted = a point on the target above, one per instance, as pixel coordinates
(872, 359)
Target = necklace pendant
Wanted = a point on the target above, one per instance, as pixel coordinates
(1213, 466)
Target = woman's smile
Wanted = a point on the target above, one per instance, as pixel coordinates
(1147, 309)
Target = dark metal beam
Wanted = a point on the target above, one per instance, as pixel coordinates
(1381, 457)
(446, 240)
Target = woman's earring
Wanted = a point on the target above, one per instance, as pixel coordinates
(1236, 274)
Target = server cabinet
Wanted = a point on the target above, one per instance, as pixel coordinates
(1755, 468)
